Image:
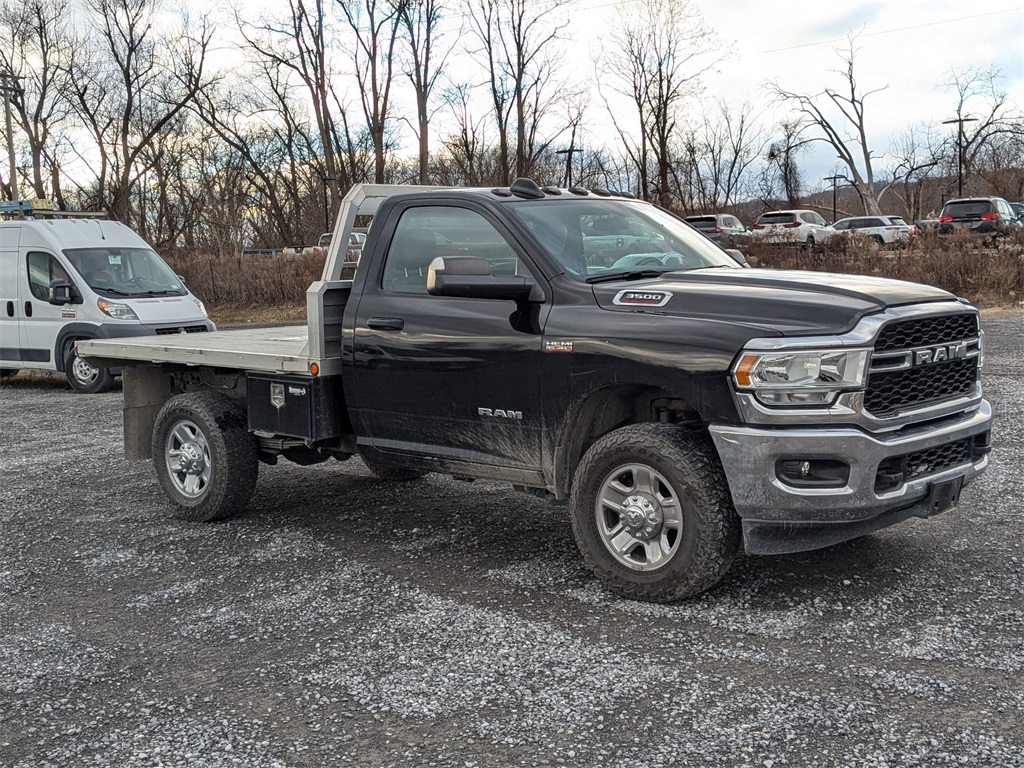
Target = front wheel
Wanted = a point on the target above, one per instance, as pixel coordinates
(83, 377)
(205, 457)
(652, 514)
(810, 242)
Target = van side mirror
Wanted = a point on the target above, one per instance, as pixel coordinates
(61, 292)
(469, 277)
(737, 256)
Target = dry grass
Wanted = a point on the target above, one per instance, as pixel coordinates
(241, 289)
(250, 289)
(963, 265)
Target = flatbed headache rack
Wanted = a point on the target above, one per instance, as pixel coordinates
(43, 209)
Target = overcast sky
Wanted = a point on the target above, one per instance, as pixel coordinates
(909, 46)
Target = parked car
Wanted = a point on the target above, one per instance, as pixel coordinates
(884, 230)
(798, 226)
(983, 216)
(1018, 208)
(726, 230)
(926, 225)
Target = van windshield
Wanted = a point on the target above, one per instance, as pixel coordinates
(125, 271)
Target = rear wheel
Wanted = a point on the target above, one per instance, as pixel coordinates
(879, 240)
(652, 514)
(205, 457)
(83, 377)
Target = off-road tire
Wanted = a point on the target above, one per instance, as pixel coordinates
(710, 527)
(231, 451)
(392, 474)
(76, 370)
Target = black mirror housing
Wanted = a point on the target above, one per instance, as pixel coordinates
(469, 277)
(61, 292)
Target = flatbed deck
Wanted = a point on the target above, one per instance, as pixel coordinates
(278, 349)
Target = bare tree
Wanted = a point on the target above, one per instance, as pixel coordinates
(838, 116)
(38, 48)
(421, 20)
(298, 44)
(780, 176)
(517, 39)
(375, 24)
(660, 50)
(993, 125)
(719, 155)
(130, 84)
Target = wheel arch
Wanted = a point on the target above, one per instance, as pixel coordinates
(68, 335)
(607, 409)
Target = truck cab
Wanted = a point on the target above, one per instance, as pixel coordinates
(67, 277)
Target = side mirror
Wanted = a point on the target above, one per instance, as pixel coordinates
(61, 292)
(737, 256)
(181, 278)
(469, 277)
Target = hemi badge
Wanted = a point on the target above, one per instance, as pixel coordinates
(558, 346)
(642, 298)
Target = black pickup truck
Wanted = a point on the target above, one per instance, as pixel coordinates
(681, 403)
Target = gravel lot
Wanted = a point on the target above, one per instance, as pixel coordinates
(348, 622)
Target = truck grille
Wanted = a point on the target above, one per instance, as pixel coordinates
(895, 383)
(180, 329)
(907, 334)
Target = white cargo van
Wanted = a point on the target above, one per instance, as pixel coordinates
(66, 277)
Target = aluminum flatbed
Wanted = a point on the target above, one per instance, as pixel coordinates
(279, 349)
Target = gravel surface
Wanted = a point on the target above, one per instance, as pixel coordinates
(344, 621)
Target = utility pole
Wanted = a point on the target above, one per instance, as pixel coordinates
(834, 180)
(960, 149)
(568, 161)
(9, 86)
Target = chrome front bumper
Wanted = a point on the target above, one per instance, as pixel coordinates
(778, 517)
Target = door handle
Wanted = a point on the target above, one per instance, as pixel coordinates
(385, 323)
(10, 309)
(28, 309)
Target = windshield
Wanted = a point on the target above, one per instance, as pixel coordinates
(125, 271)
(591, 237)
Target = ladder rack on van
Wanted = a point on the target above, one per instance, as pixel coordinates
(42, 209)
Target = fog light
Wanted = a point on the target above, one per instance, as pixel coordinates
(813, 473)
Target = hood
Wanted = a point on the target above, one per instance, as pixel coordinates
(788, 302)
(156, 310)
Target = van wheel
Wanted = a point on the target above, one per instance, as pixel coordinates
(83, 377)
(652, 513)
(204, 455)
(391, 474)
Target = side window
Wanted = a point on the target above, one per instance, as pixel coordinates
(816, 219)
(42, 268)
(426, 232)
(840, 226)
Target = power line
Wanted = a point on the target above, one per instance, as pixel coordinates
(898, 29)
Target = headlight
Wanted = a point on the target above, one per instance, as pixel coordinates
(202, 307)
(115, 310)
(801, 378)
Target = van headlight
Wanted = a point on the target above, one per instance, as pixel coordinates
(803, 377)
(202, 307)
(116, 310)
